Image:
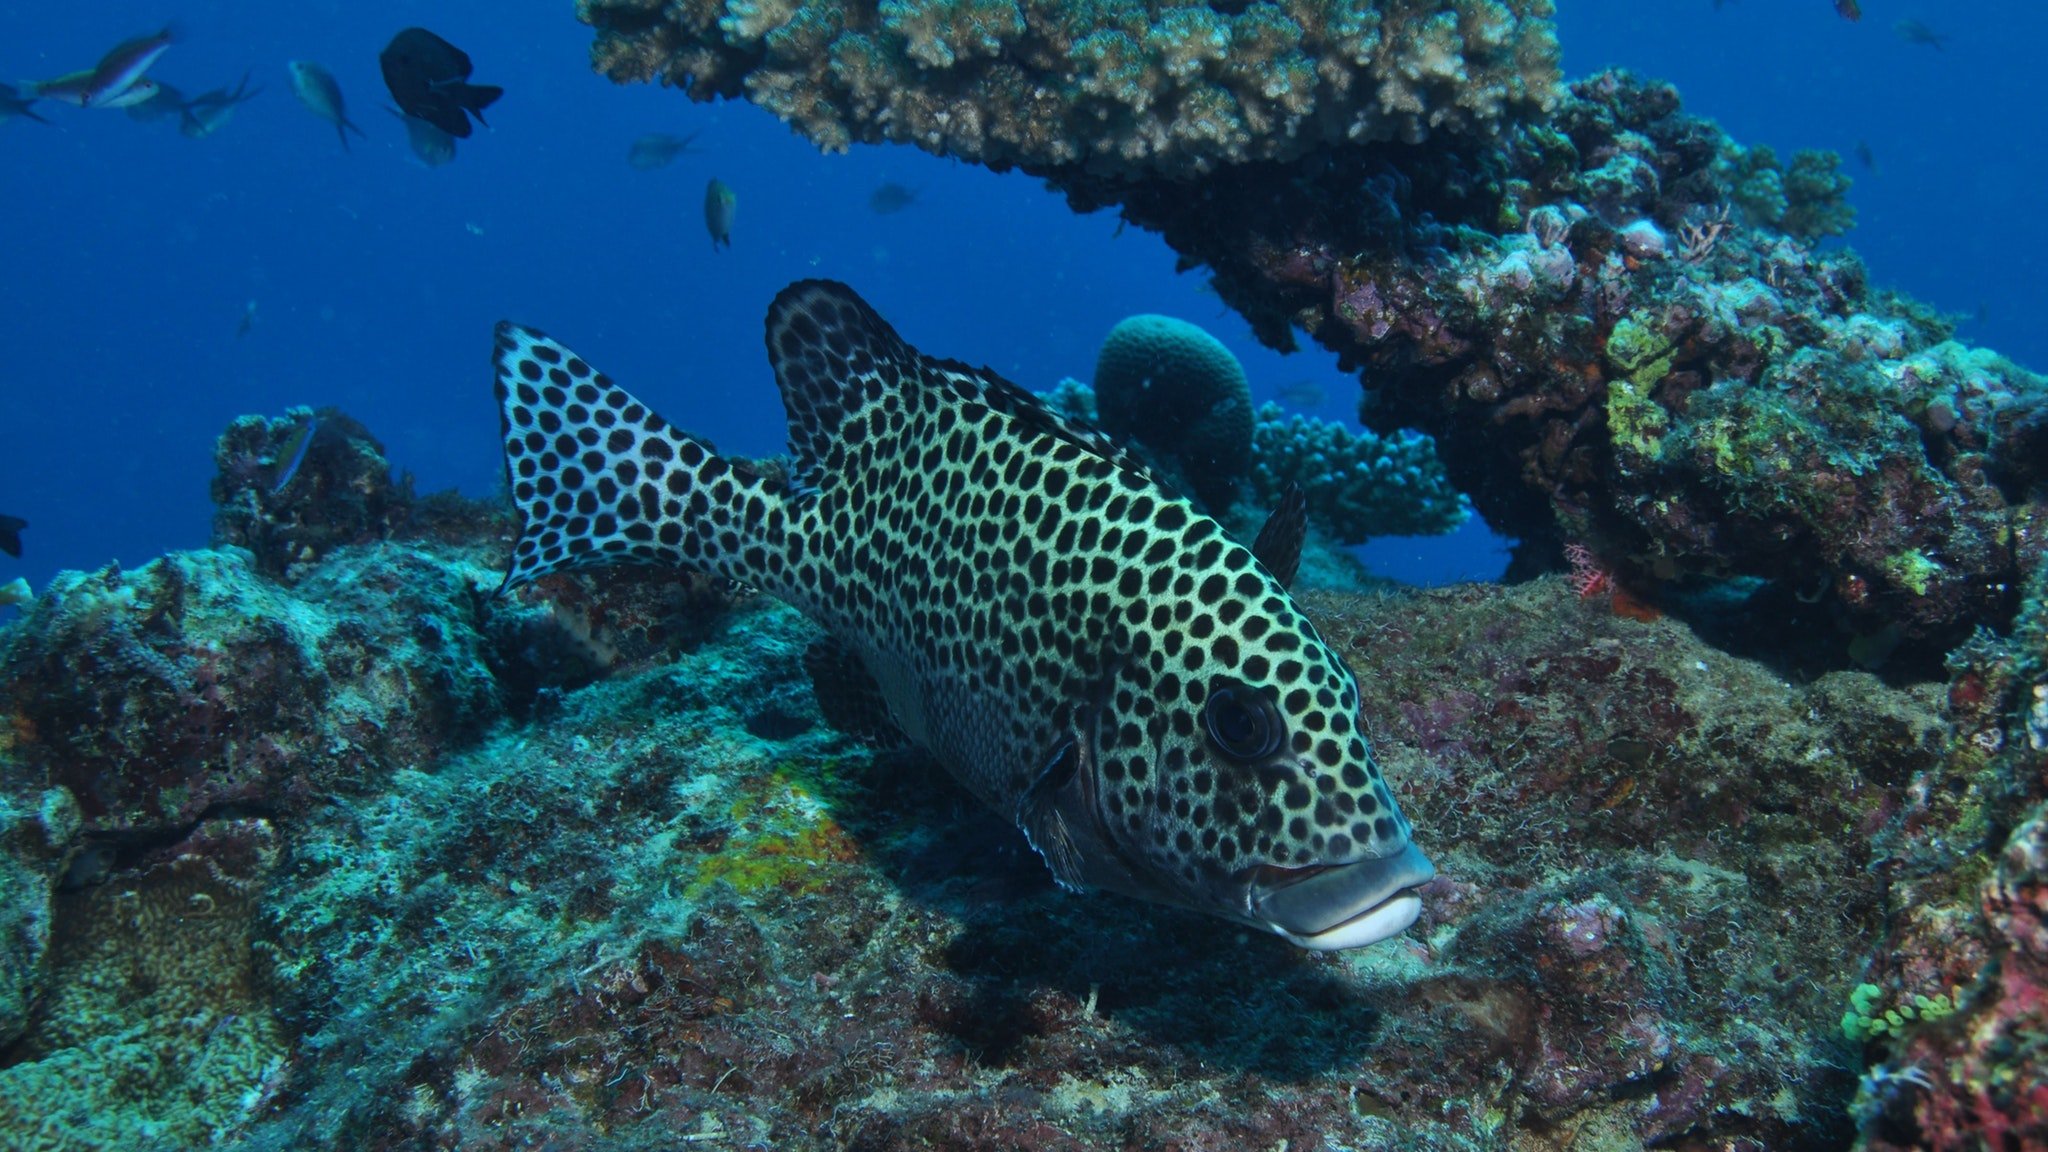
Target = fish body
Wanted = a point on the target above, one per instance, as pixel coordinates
(317, 89)
(1301, 394)
(10, 535)
(891, 198)
(291, 455)
(431, 146)
(210, 111)
(1849, 9)
(164, 104)
(69, 88)
(248, 320)
(1914, 32)
(1084, 651)
(721, 208)
(429, 80)
(122, 68)
(141, 92)
(18, 102)
(657, 150)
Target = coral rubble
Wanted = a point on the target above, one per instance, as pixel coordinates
(1109, 87)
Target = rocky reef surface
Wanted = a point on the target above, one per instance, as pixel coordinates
(322, 847)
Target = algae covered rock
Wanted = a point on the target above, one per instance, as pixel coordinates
(160, 694)
(156, 1028)
(38, 830)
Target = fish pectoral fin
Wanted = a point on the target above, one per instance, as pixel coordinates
(1279, 544)
(1045, 826)
(849, 695)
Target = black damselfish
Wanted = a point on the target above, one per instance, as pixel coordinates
(429, 80)
(1087, 653)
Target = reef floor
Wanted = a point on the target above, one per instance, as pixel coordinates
(323, 848)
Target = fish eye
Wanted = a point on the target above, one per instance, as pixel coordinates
(1241, 721)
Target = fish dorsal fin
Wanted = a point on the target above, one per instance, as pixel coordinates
(1279, 544)
(834, 355)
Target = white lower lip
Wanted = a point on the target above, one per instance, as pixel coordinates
(1387, 918)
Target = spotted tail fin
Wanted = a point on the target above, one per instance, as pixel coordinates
(599, 478)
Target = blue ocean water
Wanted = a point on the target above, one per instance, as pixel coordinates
(132, 254)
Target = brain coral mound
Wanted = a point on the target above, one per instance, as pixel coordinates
(1174, 388)
(1110, 87)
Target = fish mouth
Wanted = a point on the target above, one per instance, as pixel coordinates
(1331, 906)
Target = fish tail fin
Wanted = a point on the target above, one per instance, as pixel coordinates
(477, 97)
(341, 127)
(599, 478)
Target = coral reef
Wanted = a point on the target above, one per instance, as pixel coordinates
(1110, 87)
(1358, 485)
(658, 899)
(1971, 936)
(1614, 320)
(1178, 398)
(1616, 327)
(1170, 386)
(292, 489)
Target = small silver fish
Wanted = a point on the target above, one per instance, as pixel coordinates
(210, 111)
(1914, 32)
(167, 103)
(122, 67)
(141, 92)
(1301, 393)
(318, 91)
(658, 150)
(430, 145)
(721, 205)
(292, 453)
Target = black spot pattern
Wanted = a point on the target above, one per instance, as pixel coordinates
(1009, 571)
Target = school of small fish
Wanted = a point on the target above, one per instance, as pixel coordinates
(427, 76)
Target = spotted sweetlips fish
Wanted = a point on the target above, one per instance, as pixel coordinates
(1083, 650)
